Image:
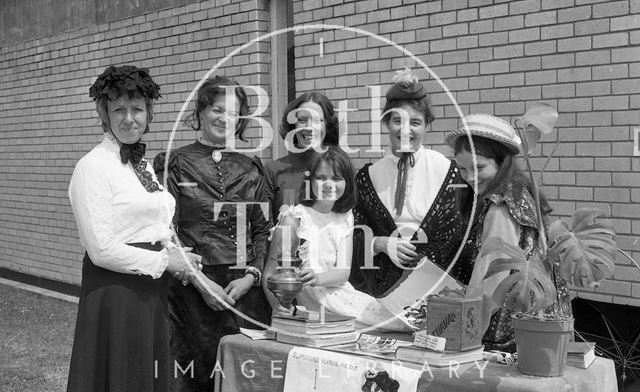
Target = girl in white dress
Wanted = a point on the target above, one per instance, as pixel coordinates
(322, 227)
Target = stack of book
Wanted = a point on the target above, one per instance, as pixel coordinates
(438, 359)
(581, 354)
(314, 330)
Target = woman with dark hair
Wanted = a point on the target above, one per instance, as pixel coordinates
(321, 232)
(218, 194)
(123, 215)
(505, 208)
(408, 201)
(309, 122)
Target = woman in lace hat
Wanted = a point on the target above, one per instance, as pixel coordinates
(123, 216)
(407, 200)
(218, 193)
(505, 208)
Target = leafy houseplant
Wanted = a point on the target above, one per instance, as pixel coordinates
(584, 248)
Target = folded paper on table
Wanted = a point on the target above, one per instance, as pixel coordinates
(257, 334)
(415, 285)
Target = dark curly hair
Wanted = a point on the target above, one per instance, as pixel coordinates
(328, 112)
(207, 94)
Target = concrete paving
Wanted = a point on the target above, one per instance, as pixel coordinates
(39, 290)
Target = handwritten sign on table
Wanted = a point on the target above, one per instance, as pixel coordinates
(325, 371)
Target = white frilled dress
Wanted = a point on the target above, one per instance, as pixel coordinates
(323, 237)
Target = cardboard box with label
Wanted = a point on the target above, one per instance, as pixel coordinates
(456, 318)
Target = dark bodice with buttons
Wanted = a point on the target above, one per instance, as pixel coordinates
(203, 188)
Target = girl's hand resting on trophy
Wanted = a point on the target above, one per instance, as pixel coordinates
(308, 276)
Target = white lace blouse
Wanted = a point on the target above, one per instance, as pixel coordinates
(112, 209)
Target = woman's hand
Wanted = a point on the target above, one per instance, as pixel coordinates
(213, 294)
(399, 250)
(182, 268)
(308, 276)
(239, 287)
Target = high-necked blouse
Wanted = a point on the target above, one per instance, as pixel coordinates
(113, 209)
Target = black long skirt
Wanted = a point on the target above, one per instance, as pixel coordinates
(121, 342)
(196, 329)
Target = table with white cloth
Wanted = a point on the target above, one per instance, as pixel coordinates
(260, 365)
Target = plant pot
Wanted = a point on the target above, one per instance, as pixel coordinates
(542, 345)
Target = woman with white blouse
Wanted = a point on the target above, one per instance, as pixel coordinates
(407, 200)
(123, 216)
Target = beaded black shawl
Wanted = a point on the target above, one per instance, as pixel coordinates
(442, 225)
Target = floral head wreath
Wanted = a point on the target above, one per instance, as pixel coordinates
(127, 78)
(406, 86)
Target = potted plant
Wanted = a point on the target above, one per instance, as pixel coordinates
(584, 248)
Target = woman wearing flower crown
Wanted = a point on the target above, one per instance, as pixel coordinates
(123, 215)
(505, 208)
(407, 201)
(205, 177)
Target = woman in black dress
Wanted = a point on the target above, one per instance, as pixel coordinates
(210, 184)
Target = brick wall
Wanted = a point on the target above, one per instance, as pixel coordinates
(499, 57)
(495, 57)
(48, 121)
